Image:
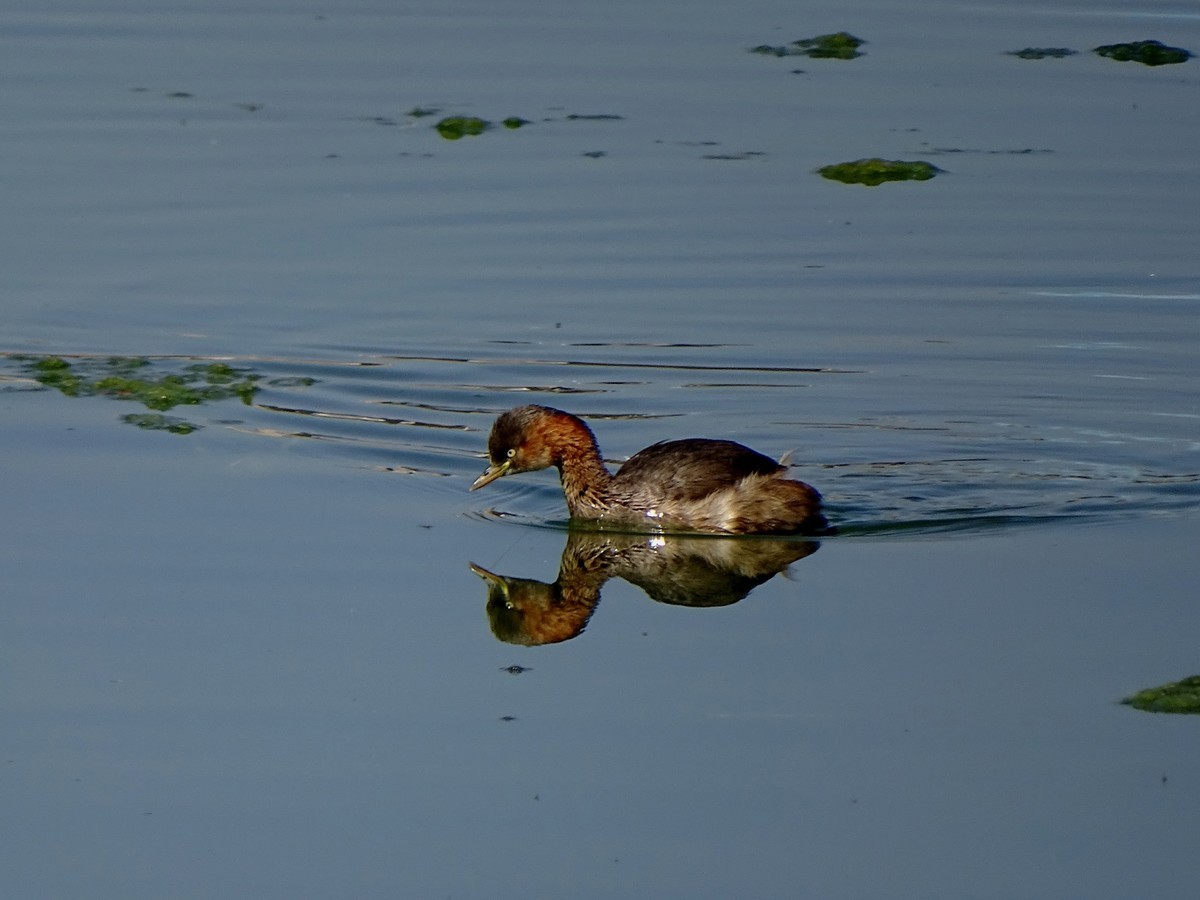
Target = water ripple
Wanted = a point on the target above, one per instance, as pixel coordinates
(426, 416)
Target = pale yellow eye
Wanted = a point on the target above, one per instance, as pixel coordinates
(512, 451)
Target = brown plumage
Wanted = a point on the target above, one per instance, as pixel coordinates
(689, 485)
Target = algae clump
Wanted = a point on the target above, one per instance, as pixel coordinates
(838, 45)
(875, 171)
(1176, 697)
(1043, 52)
(1150, 53)
(159, 422)
(56, 372)
(126, 378)
(453, 128)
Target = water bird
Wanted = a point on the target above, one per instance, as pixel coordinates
(695, 484)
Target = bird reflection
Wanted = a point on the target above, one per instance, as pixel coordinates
(682, 571)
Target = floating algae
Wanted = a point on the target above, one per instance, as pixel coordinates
(839, 45)
(1176, 697)
(1043, 52)
(454, 127)
(1150, 53)
(128, 378)
(875, 171)
(159, 422)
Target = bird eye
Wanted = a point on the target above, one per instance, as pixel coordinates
(512, 451)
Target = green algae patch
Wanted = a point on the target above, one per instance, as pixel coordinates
(1043, 52)
(1149, 53)
(162, 393)
(159, 422)
(56, 372)
(132, 378)
(452, 128)
(838, 45)
(875, 171)
(1176, 697)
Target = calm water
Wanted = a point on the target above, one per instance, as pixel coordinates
(254, 660)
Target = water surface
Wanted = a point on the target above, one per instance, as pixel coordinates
(254, 659)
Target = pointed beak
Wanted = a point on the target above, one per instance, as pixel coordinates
(489, 577)
(491, 474)
(496, 585)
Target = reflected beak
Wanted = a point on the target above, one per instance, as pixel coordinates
(496, 584)
(491, 474)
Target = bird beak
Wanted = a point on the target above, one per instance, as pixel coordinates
(489, 577)
(492, 472)
(497, 586)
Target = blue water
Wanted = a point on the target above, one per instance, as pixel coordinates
(254, 660)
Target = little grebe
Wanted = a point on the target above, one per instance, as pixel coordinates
(692, 485)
